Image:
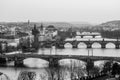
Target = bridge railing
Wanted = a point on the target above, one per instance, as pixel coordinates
(86, 39)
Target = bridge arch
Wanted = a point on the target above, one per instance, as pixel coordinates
(37, 58)
(82, 45)
(73, 62)
(110, 45)
(68, 45)
(36, 62)
(96, 45)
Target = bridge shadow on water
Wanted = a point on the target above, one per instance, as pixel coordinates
(72, 70)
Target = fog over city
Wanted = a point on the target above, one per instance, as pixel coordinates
(92, 11)
(59, 39)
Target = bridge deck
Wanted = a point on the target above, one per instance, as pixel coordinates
(79, 57)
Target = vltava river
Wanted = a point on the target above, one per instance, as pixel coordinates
(37, 69)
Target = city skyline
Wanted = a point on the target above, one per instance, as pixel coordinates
(92, 11)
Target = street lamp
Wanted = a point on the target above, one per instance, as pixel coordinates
(50, 49)
(92, 51)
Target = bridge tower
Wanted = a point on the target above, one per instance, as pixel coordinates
(35, 32)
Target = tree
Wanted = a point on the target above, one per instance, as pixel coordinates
(107, 67)
(89, 66)
(115, 69)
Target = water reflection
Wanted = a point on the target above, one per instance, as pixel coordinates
(24, 75)
(4, 76)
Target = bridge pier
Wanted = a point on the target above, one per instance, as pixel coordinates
(117, 46)
(61, 46)
(53, 62)
(103, 46)
(3, 61)
(18, 63)
(94, 36)
(74, 46)
(89, 46)
(82, 36)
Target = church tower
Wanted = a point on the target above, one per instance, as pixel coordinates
(41, 30)
(35, 32)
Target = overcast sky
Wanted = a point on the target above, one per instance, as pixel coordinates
(92, 11)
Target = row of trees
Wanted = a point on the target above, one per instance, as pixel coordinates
(5, 48)
(111, 68)
(66, 34)
(111, 34)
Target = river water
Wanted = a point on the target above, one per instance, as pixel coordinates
(37, 69)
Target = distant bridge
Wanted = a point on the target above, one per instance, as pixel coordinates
(93, 35)
(75, 43)
(54, 59)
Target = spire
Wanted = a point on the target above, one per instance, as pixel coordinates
(28, 22)
(41, 27)
(34, 30)
(34, 26)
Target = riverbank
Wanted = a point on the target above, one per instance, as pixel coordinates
(102, 78)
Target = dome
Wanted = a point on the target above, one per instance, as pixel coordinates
(50, 26)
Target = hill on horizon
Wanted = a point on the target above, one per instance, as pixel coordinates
(56, 24)
(114, 24)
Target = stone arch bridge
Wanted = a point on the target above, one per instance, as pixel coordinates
(89, 43)
(93, 35)
(54, 59)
